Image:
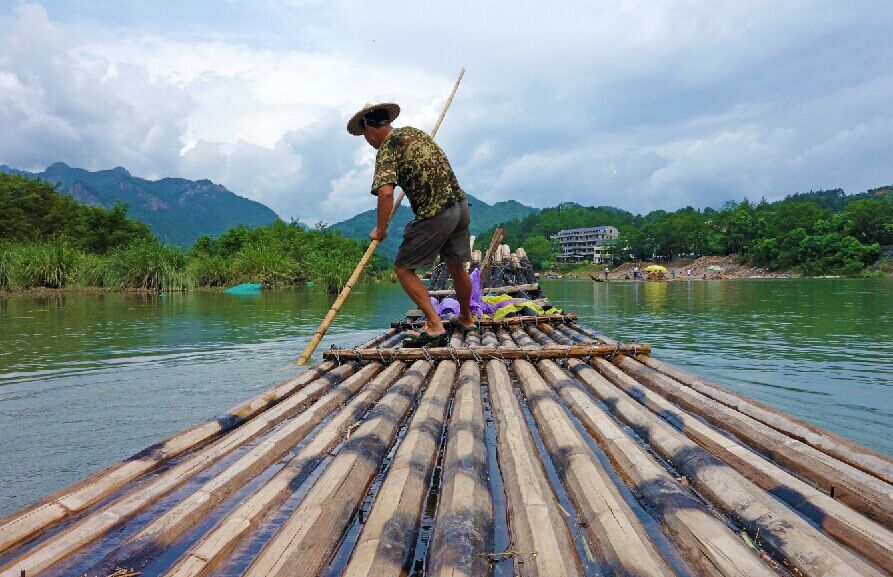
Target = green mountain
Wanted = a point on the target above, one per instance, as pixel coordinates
(483, 217)
(177, 210)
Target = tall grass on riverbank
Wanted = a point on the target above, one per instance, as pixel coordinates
(143, 264)
(146, 264)
(44, 264)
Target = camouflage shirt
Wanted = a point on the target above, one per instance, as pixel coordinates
(411, 159)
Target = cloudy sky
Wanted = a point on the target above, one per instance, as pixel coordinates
(641, 105)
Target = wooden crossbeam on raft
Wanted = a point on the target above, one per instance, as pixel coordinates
(511, 289)
(487, 352)
(503, 322)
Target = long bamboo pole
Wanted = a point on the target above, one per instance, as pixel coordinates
(342, 297)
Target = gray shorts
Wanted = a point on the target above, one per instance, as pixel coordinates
(445, 233)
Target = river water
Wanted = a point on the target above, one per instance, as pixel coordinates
(86, 380)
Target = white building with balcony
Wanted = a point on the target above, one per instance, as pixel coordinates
(593, 244)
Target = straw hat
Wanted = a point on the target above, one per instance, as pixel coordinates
(355, 125)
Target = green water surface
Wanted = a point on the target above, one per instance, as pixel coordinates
(86, 380)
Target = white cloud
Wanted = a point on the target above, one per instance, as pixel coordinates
(639, 105)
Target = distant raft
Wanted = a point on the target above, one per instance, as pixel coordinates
(531, 446)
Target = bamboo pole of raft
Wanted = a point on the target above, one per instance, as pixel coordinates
(542, 544)
(99, 522)
(250, 513)
(859, 456)
(463, 533)
(612, 526)
(858, 489)
(388, 537)
(844, 524)
(774, 526)
(166, 529)
(75, 498)
(592, 335)
(704, 541)
(370, 250)
(485, 352)
(304, 543)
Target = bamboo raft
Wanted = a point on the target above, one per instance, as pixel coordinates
(531, 447)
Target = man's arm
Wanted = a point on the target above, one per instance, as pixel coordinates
(385, 205)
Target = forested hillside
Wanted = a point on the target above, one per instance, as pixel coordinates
(821, 232)
(177, 210)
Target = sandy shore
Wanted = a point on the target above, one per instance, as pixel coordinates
(731, 268)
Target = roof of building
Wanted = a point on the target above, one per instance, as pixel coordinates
(588, 229)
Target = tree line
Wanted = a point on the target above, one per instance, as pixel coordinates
(48, 239)
(822, 232)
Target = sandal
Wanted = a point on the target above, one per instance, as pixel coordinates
(426, 339)
(457, 325)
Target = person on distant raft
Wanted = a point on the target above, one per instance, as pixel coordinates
(409, 158)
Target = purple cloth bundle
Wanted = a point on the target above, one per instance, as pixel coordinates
(449, 307)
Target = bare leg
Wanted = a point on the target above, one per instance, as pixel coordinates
(462, 284)
(416, 290)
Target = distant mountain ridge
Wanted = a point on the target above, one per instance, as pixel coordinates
(484, 216)
(177, 210)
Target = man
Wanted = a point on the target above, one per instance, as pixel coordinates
(410, 159)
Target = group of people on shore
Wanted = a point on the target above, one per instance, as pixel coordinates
(636, 274)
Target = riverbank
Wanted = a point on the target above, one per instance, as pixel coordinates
(727, 267)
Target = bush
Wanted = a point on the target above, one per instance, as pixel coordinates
(209, 270)
(5, 266)
(836, 253)
(266, 263)
(149, 265)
